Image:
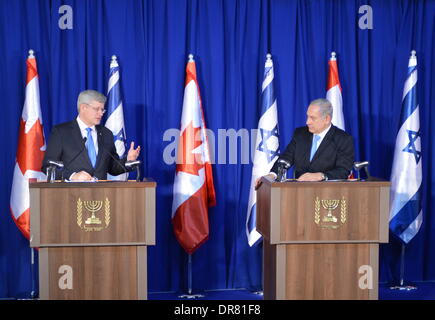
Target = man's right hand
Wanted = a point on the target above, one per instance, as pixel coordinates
(81, 176)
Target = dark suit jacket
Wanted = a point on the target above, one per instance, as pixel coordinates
(334, 157)
(67, 145)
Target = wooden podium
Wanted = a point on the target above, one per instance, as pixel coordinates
(321, 239)
(92, 238)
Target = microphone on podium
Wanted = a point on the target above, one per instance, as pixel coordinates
(359, 165)
(134, 164)
(283, 166)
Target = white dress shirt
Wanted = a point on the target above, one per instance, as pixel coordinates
(84, 133)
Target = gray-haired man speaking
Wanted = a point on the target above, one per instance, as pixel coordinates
(85, 147)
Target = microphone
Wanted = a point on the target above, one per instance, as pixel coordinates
(134, 164)
(131, 164)
(359, 165)
(283, 166)
(58, 164)
(76, 156)
(51, 170)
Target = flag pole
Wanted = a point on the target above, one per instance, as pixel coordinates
(191, 227)
(189, 274)
(402, 285)
(189, 294)
(405, 221)
(32, 252)
(32, 270)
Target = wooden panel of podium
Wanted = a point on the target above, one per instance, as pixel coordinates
(321, 240)
(92, 238)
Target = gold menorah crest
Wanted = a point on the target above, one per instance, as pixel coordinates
(329, 220)
(93, 223)
(93, 206)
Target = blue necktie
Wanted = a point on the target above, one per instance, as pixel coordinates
(91, 148)
(314, 146)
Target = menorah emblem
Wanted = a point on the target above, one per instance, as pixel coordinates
(93, 206)
(93, 223)
(330, 221)
(330, 205)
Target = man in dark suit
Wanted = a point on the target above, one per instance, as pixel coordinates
(319, 151)
(85, 147)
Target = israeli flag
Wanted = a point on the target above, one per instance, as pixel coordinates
(406, 215)
(115, 118)
(266, 147)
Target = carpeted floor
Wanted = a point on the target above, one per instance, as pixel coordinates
(424, 291)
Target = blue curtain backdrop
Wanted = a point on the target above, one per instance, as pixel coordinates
(230, 40)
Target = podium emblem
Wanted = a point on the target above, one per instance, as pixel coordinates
(93, 222)
(328, 219)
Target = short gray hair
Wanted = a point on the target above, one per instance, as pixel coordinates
(87, 96)
(324, 105)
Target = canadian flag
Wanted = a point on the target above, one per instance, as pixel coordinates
(333, 93)
(30, 152)
(193, 184)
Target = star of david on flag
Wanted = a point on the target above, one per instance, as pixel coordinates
(411, 148)
(266, 136)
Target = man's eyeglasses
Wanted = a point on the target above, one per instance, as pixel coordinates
(96, 109)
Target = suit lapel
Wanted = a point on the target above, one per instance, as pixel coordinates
(325, 142)
(306, 146)
(100, 144)
(78, 139)
(76, 134)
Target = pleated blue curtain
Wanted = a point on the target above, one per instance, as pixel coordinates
(230, 40)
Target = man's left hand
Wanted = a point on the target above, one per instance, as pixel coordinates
(133, 153)
(311, 176)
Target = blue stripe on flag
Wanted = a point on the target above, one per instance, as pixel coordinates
(114, 98)
(252, 221)
(406, 216)
(409, 104)
(252, 225)
(411, 70)
(268, 98)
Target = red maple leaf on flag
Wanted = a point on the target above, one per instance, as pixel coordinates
(29, 154)
(188, 161)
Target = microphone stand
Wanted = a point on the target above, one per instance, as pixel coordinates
(51, 170)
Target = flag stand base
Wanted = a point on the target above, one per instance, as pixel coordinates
(403, 288)
(191, 296)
